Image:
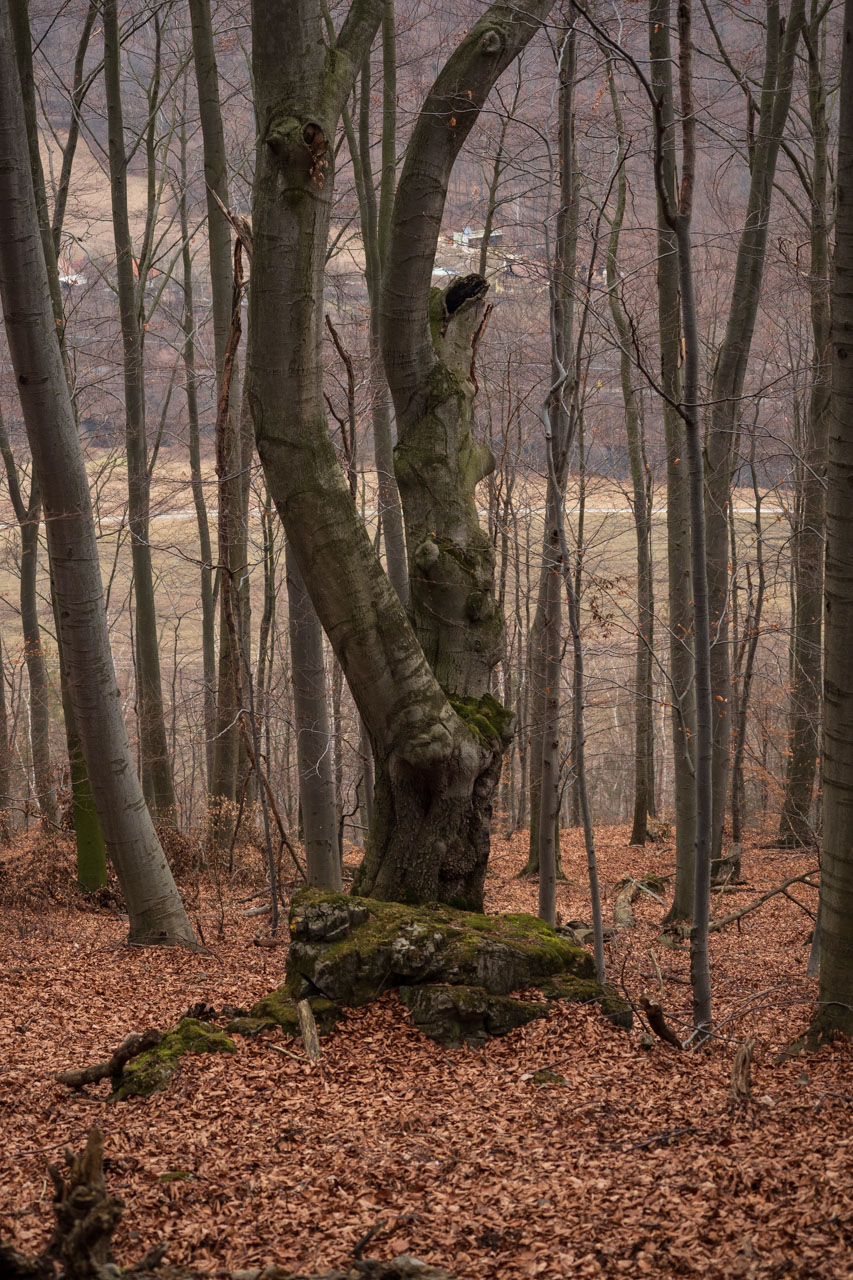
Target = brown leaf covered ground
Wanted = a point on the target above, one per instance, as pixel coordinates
(635, 1166)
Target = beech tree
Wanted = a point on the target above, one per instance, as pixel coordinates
(421, 686)
(836, 909)
(153, 903)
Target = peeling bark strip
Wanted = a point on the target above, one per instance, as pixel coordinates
(437, 761)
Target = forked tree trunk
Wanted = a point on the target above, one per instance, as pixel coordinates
(154, 906)
(435, 775)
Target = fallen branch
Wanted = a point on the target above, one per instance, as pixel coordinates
(131, 1046)
(716, 925)
(628, 893)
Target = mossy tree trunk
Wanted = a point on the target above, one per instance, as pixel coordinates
(91, 850)
(435, 774)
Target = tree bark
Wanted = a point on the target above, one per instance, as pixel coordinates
(313, 734)
(641, 503)
(680, 594)
(730, 373)
(796, 827)
(226, 752)
(836, 905)
(154, 906)
(157, 780)
(435, 775)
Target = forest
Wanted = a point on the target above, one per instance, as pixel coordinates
(426, 606)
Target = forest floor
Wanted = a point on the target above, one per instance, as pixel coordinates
(638, 1164)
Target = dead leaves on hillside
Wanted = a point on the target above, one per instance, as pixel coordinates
(565, 1149)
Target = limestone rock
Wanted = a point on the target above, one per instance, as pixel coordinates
(455, 970)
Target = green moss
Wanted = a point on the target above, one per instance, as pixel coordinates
(151, 1071)
(588, 991)
(278, 1009)
(176, 1175)
(547, 1077)
(486, 718)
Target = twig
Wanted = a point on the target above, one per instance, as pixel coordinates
(367, 1237)
(279, 1048)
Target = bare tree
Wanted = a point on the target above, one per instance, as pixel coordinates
(153, 903)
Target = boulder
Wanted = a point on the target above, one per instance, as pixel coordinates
(455, 969)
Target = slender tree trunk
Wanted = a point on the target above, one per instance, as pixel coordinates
(227, 738)
(796, 827)
(313, 734)
(561, 417)
(700, 973)
(641, 503)
(836, 898)
(681, 668)
(28, 516)
(157, 780)
(6, 823)
(154, 906)
(208, 608)
(730, 372)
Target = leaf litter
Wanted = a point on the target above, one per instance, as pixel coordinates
(566, 1149)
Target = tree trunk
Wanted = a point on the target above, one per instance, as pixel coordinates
(5, 760)
(681, 691)
(836, 899)
(157, 780)
(796, 827)
(641, 503)
(208, 607)
(227, 739)
(435, 775)
(730, 374)
(154, 906)
(313, 734)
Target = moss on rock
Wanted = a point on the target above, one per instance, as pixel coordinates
(586, 991)
(389, 944)
(278, 1009)
(152, 1070)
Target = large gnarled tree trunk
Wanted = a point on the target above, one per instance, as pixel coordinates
(435, 774)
